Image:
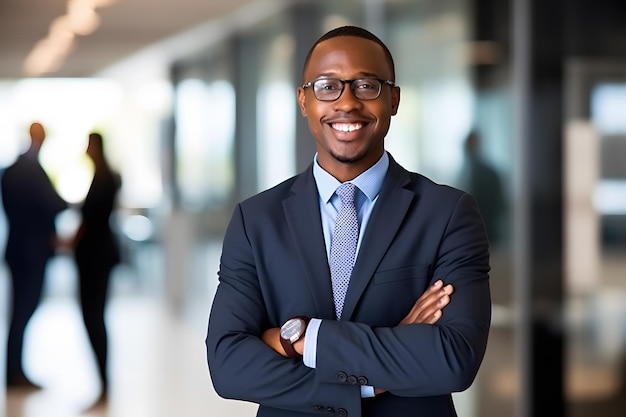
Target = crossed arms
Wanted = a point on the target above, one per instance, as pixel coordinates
(426, 310)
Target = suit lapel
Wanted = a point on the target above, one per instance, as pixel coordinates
(389, 212)
(304, 221)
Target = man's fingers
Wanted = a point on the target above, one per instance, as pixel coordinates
(427, 308)
(434, 317)
(432, 311)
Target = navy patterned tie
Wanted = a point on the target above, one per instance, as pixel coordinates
(343, 245)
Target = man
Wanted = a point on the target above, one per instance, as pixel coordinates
(386, 347)
(31, 205)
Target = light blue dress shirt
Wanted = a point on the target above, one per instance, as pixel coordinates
(369, 184)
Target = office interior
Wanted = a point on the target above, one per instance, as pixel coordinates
(542, 83)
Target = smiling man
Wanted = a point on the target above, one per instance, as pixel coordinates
(335, 290)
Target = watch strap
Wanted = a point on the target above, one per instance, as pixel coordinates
(291, 352)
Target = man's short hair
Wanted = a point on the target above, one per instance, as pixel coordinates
(351, 31)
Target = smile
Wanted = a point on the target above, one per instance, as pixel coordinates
(346, 127)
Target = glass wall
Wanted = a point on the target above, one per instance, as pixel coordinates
(275, 102)
(437, 100)
(595, 231)
(205, 128)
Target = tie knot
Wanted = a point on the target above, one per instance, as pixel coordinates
(346, 192)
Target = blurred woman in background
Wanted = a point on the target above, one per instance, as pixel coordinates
(96, 252)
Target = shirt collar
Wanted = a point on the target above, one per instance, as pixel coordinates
(369, 182)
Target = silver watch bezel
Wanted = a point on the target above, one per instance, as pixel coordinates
(293, 329)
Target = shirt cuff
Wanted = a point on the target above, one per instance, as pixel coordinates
(310, 343)
(367, 391)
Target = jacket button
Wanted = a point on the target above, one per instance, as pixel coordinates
(342, 412)
(341, 376)
(352, 380)
(362, 380)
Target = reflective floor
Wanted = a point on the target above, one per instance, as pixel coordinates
(157, 356)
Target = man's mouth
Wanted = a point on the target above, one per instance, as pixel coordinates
(346, 127)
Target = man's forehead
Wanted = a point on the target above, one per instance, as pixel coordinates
(346, 51)
(346, 42)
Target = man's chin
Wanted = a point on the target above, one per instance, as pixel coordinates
(348, 158)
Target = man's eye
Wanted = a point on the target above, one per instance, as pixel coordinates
(366, 85)
(328, 87)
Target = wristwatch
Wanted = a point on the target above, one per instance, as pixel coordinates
(291, 332)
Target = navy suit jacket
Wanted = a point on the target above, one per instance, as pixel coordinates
(274, 266)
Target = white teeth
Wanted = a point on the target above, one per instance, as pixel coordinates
(347, 127)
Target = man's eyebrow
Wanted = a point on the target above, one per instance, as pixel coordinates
(370, 75)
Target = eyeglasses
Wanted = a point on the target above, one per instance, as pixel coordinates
(330, 89)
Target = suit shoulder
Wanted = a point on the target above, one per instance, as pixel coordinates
(439, 197)
(419, 183)
(424, 185)
(272, 195)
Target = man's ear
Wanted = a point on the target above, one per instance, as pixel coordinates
(302, 101)
(395, 100)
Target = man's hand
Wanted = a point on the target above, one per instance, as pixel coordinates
(271, 337)
(428, 308)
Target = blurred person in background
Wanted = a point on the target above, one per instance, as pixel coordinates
(31, 205)
(480, 179)
(96, 253)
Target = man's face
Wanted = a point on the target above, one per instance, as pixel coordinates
(349, 132)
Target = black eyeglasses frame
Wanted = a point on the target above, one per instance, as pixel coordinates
(343, 87)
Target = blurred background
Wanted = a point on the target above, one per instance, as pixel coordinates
(196, 102)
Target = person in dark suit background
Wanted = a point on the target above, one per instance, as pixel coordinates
(31, 205)
(483, 182)
(96, 253)
(402, 342)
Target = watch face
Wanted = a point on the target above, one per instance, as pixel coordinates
(292, 329)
